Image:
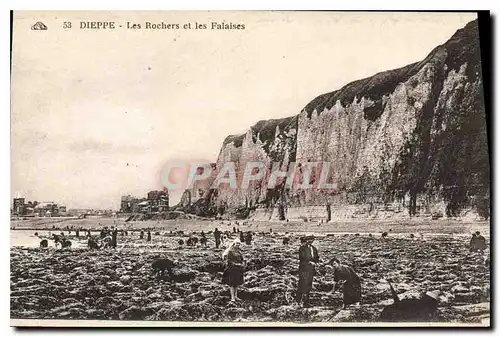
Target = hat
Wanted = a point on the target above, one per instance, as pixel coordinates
(333, 260)
(308, 237)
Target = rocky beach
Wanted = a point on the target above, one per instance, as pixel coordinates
(118, 284)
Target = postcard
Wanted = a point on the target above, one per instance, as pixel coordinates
(251, 168)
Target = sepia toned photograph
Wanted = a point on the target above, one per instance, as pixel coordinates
(250, 168)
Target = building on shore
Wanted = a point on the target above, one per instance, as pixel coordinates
(34, 208)
(46, 209)
(155, 202)
(127, 203)
(158, 201)
(19, 207)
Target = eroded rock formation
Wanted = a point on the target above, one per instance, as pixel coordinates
(404, 142)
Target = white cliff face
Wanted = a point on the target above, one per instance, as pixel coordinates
(389, 132)
(253, 149)
(354, 144)
(465, 99)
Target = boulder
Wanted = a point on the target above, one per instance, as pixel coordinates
(184, 275)
(133, 313)
(343, 316)
(446, 298)
(324, 315)
(468, 297)
(459, 289)
(261, 294)
(154, 296)
(125, 279)
(114, 286)
(285, 312)
(473, 309)
(235, 311)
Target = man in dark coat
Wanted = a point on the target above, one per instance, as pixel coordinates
(477, 242)
(217, 236)
(308, 256)
(114, 238)
(203, 239)
(248, 238)
(44, 243)
(480, 242)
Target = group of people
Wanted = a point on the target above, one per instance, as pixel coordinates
(246, 237)
(59, 239)
(109, 237)
(219, 236)
(344, 276)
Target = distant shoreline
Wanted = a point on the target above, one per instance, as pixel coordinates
(416, 226)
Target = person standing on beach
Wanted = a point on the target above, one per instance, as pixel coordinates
(92, 243)
(481, 241)
(346, 278)
(473, 242)
(308, 256)
(149, 235)
(217, 236)
(477, 242)
(248, 238)
(141, 235)
(235, 268)
(203, 240)
(114, 238)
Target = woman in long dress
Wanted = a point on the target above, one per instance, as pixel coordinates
(345, 277)
(235, 268)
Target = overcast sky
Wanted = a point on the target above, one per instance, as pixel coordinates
(96, 114)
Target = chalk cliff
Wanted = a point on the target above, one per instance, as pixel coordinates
(405, 142)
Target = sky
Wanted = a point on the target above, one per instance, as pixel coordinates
(96, 114)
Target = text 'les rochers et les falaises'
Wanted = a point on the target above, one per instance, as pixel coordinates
(106, 25)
